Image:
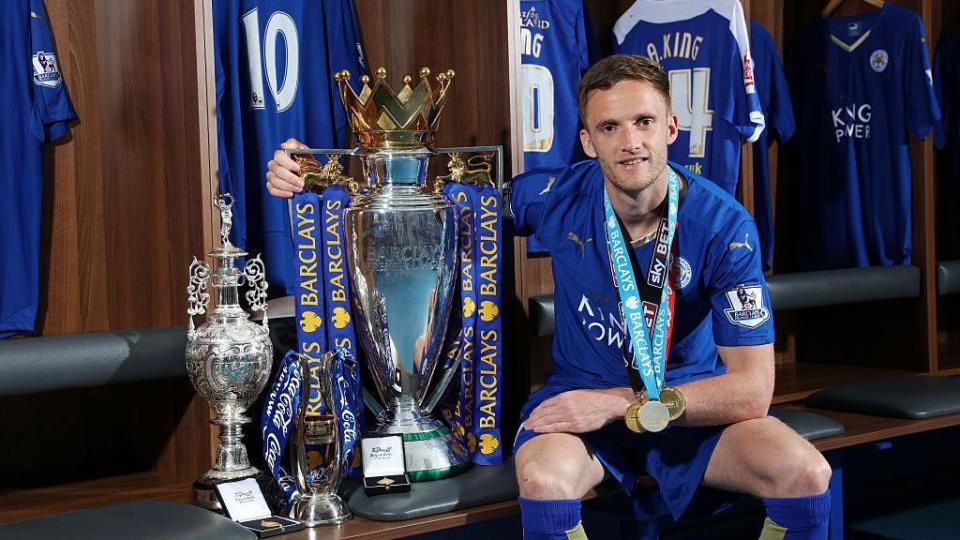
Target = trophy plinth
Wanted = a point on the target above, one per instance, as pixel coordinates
(228, 357)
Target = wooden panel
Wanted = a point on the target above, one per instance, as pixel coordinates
(125, 208)
(124, 197)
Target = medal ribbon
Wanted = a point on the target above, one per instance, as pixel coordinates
(489, 354)
(649, 352)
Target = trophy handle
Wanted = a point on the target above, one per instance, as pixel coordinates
(449, 372)
(317, 177)
(197, 295)
(477, 169)
(255, 272)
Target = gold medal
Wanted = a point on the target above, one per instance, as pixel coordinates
(654, 416)
(632, 417)
(673, 399)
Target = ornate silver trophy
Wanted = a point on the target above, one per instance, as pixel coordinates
(228, 357)
(316, 454)
(401, 235)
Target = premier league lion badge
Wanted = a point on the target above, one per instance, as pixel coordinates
(746, 306)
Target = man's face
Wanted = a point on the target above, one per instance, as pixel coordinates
(628, 128)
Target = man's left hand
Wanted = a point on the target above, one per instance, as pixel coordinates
(579, 411)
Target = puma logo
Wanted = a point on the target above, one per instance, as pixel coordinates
(576, 240)
(744, 244)
(550, 182)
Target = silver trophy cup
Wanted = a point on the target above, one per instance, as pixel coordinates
(228, 357)
(317, 454)
(402, 256)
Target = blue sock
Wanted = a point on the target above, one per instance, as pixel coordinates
(551, 520)
(799, 518)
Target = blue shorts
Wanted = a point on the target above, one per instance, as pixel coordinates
(676, 458)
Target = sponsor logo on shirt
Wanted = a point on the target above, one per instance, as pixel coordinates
(852, 121)
(746, 306)
(45, 69)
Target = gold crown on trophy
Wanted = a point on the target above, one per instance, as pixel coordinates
(382, 118)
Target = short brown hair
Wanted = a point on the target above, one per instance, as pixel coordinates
(619, 67)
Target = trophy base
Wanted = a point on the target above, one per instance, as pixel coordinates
(205, 489)
(316, 510)
(431, 455)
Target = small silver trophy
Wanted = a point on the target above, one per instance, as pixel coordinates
(316, 454)
(228, 357)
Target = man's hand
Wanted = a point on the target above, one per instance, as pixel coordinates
(580, 411)
(283, 178)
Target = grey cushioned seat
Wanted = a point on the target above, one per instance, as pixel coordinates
(810, 426)
(479, 485)
(45, 364)
(845, 286)
(912, 397)
(948, 277)
(147, 520)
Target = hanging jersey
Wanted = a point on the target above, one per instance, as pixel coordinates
(703, 46)
(778, 114)
(275, 62)
(37, 110)
(556, 47)
(721, 293)
(863, 83)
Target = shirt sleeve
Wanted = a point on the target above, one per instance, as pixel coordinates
(738, 292)
(781, 108)
(747, 115)
(923, 111)
(51, 103)
(528, 197)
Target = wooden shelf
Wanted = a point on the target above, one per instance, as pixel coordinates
(860, 428)
(23, 504)
(798, 380)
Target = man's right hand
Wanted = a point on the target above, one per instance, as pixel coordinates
(283, 173)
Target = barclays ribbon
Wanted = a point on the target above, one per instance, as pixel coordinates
(309, 299)
(277, 419)
(464, 197)
(489, 354)
(341, 336)
(649, 353)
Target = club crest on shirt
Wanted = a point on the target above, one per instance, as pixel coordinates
(879, 60)
(746, 306)
(684, 274)
(45, 69)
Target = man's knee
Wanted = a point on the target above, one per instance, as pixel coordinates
(803, 472)
(563, 470)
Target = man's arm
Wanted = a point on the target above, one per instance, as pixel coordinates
(742, 393)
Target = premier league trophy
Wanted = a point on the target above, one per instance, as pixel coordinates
(401, 240)
(228, 357)
(316, 454)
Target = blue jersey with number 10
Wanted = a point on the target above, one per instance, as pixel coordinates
(704, 48)
(275, 62)
(555, 50)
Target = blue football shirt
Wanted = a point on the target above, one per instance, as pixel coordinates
(778, 113)
(863, 83)
(719, 280)
(275, 62)
(557, 45)
(37, 110)
(704, 48)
